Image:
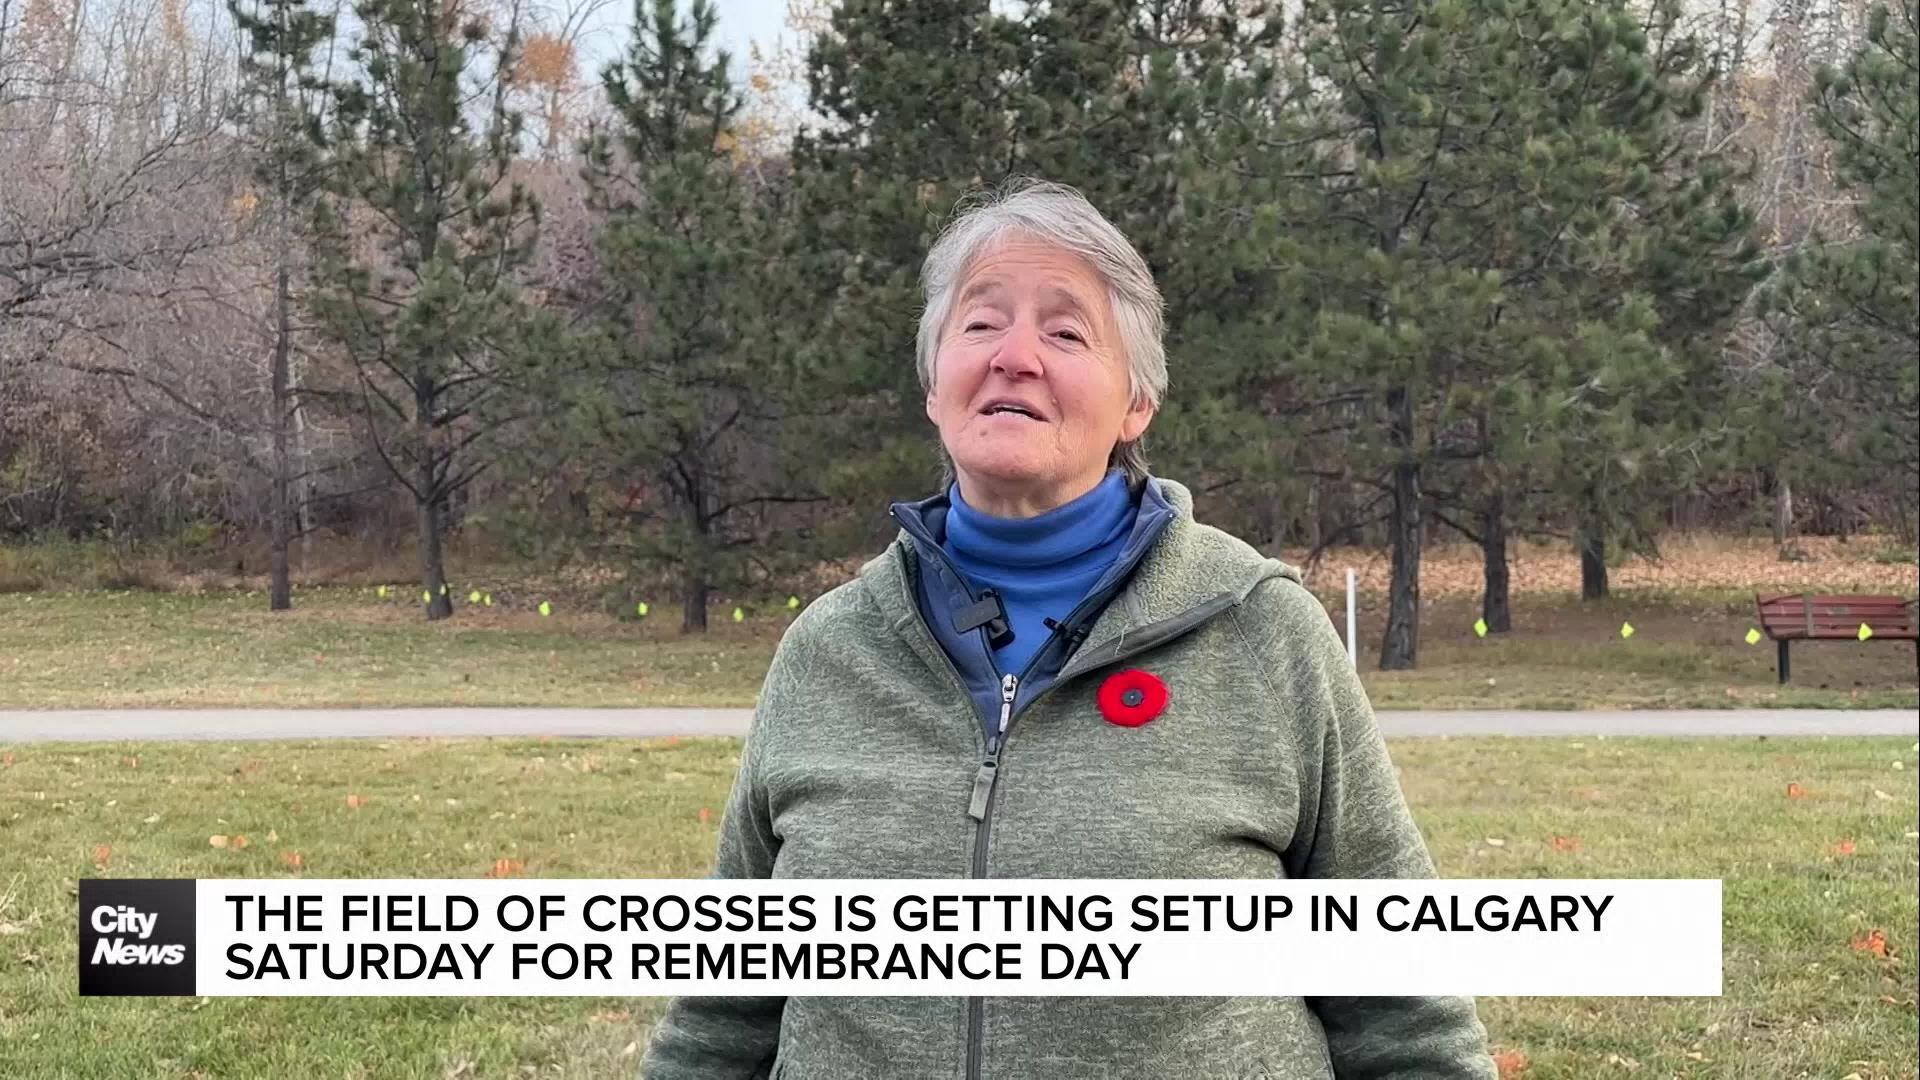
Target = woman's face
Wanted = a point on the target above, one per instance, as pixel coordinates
(1030, 389)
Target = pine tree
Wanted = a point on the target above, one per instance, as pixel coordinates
(1507, 205)
(1849, 308)
(688, 367)
(281, 113)
(417, 249)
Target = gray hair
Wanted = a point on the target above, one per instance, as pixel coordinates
(1059, 215)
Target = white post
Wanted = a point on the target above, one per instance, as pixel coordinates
(1353, 644)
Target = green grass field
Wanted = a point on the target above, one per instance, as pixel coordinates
(345, 647)
(1806, 878)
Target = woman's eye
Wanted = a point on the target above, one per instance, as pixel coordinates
(974, 326)
(1068, 335)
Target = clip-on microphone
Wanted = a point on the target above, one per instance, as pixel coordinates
(990, 612)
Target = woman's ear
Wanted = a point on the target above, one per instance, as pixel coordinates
(1134, 424)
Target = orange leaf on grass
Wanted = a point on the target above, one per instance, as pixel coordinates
(1512, 1063)
(6, 759)
(130, 761)
(705, 815)
(239, 842)
(506, 868)
(1795, 791)
(217, 841)
(102, 853)
(355, 802)
(1873, 941)
(1566, 843)
(1844, 847)
(293, 859)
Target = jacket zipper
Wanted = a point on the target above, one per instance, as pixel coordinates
(984, 781)
(980, 806)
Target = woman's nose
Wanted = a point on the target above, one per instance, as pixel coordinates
(1019, 352)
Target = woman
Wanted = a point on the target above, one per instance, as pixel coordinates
(1052, 565)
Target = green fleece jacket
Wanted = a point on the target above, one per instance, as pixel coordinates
(865, 760)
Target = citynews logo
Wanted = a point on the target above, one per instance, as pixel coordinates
(122, 920)
(136, 937)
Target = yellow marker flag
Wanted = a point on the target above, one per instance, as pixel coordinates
(426, 597)
(1753, 636)
(640, 609)
(382, 592)
(739, 616)
(546, 608)
(1865, 631)
(473, 597)
(793, 603)
(443, 588)
(1626, 630)
(487, 599)
(1480, 627)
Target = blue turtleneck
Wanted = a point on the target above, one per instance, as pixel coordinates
(1041, 566)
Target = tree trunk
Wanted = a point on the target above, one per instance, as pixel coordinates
(428, 504)
(303, 462)
(1593, 563)
(694, 579)
(1782, 511)
(1496, 604)
(1400, 647)
(433, 574)
(281, 598)
(280, 593)
(693, 594)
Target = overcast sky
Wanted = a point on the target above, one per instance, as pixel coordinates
(742, 22)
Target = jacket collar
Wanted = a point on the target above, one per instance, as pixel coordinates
(1189, 574)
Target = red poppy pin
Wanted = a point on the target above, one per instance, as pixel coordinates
(1132, 697)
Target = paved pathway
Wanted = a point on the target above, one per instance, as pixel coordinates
(86, 725)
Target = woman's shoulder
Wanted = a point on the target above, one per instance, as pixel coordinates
(846, 611)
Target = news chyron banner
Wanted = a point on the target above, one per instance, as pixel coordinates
(237, 938)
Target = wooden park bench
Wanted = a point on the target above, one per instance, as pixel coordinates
(1804, 617)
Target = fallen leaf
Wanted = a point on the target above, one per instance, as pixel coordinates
(1844, 847)
(101, 854)
(1494, 841)
(130, 761)
(1873, 941)
(6, 759)
(1795, 791)
(1512, 1063)
(293, 859)
(150, 819)
(504, 867)
(273, 836)
(1881, 795)
(705, 815)
(630, 1049)
(1566, 843)
(239, 842)
(355, 802)
(217, 841)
